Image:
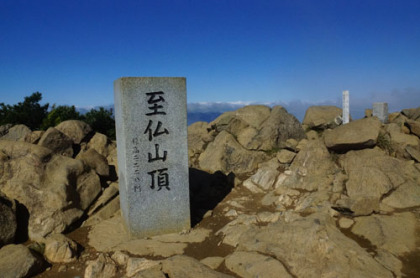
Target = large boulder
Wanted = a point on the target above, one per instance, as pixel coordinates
(312, 168)
(275, 130)
(312, 246)
(17, 261)
(372, 176)
(8, 223)
(95, 161)
(101, 143)
(199, 135)
(186, 267)
(412, 113)
(76, 130)
(322, 117)
(54, 189)
(258, 127)
(227, 155)
(57, 141)
(355, 135)
(394, 233)
(16, 133)
(252, 264)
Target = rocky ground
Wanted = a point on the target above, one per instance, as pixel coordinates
(269, 198)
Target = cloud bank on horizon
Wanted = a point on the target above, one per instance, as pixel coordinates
(397, 100)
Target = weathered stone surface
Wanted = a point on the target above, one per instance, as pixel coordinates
(186, 267)
(251, 115)
(312, 246)
(414, 153)
(49, 186)
(107, 195)
(405, 196)
(355, 135)
(135, 265)
(60, 249)
(234, 229)
(110, 235)
(285, 156)
(276, 129)
(390, 262)
(199, 135)
(252, 264)
(95, 161)
(34, 136)
(394, 233)
(312, 168)
(88, 188)
(414, 127)
(8, 223)
(412, 113)
(101, 143)
(227, 155)
(16, 133)
(213, 262)
(103, 267)
(76, 130)
(265, 177)
(17, 261)
(57, 141)
(345, 223)
(400, 138)
(322, 117)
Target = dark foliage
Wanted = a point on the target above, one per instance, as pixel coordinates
(29, 112)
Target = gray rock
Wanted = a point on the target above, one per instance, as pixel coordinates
(60, 249)
(88, 188)
(50, 186)
(135, 265)
(322, 117)
(355, 135)
(17, 261)
(394, 233)
(227, 155)
(8, 223)
(414, 153)
(252, 264)
(213, 262)
(414, 127)
(103, 267)
(186, 267)
(285, 156)
(312, 246)
(406, 195)
(16, 133)
(95, 161)
(102, 144)
(76, 130)
(57, 141)
(279, 127)
(412, 113)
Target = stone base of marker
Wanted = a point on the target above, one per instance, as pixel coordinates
(380, 110)
(151, 125)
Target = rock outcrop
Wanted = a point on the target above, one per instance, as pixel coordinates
(322, 117)
(267, 200)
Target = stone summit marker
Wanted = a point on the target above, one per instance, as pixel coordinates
(151, 125)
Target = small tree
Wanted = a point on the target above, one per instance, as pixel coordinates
(60, 114)
(29, 112)
(102, 121)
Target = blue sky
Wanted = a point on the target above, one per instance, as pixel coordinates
(295, 53)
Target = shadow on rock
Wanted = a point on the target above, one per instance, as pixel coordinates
(206, 191)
